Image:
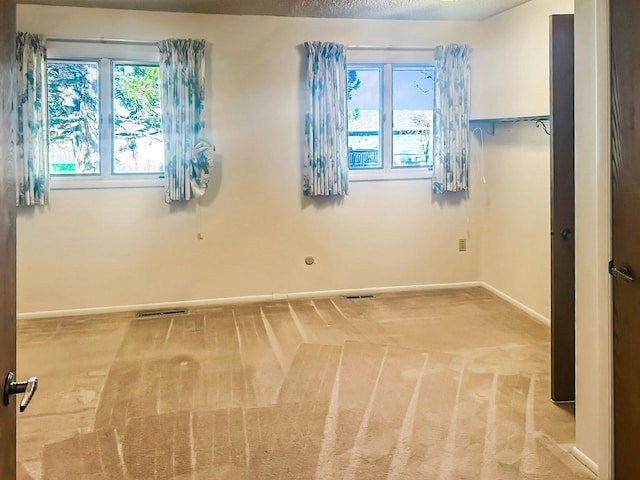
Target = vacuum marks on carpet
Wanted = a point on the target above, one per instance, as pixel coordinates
(316, 390)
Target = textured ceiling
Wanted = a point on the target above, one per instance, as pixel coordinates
(382, 9)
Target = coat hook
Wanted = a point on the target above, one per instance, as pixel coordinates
(540, 123)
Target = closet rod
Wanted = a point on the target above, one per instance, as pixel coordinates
(113, 41)
(390, 49)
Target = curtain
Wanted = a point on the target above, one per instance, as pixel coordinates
(32, 156)
(187, 155)
(451, 119)
(326, 163)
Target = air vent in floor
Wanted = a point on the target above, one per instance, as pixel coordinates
(161, 313)
(355, 297)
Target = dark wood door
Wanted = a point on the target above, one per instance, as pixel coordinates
(7, 237)
(625, 131)
(562, 210)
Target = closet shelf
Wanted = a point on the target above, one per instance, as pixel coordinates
(489, 124)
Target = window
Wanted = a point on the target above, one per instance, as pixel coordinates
(390, 108)
(104, 115)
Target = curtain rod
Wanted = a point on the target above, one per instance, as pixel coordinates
(101, 41)
(393, 49)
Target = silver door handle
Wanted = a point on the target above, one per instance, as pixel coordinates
(624, 272)
(13, 388)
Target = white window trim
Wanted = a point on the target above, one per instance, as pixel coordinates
(386, 58)
(105, 53)
(377, 175)
(87, 182)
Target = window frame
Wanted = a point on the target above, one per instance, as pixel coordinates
(386, 60)
(105, 54)
(382, 138)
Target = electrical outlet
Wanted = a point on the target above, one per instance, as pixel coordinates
(462, 244)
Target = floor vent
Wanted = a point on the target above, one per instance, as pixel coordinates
(356, 297)
(161, 313)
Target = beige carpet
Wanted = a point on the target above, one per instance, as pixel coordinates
(442, 385)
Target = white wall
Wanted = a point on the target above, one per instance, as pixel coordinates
(108, 248)
(513, 69)
(593, 233)
(515, 214)
(513, 64)
(119, 247)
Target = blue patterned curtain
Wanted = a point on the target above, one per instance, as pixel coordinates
(326, 164)
(451, 119)
(187, 155)
(32, 155)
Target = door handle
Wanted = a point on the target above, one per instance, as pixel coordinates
(624, 272)
(13, 388)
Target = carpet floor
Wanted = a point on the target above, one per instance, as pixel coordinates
(442, 385)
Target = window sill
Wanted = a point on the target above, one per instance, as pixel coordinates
(386, 175)
(75, 183)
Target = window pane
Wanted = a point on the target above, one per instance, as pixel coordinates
(364, 118)
(412, 116)
(137, 133)
(74, 134)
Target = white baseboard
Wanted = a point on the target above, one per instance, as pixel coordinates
(586, 461)
(541, 318)
(143, 306)
(375, 290)
(244, 299)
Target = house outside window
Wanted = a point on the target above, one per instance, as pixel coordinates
(390, 118)
(104, 115)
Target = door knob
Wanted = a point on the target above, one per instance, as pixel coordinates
(624, 272)
(13, 388)
(567, 233)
